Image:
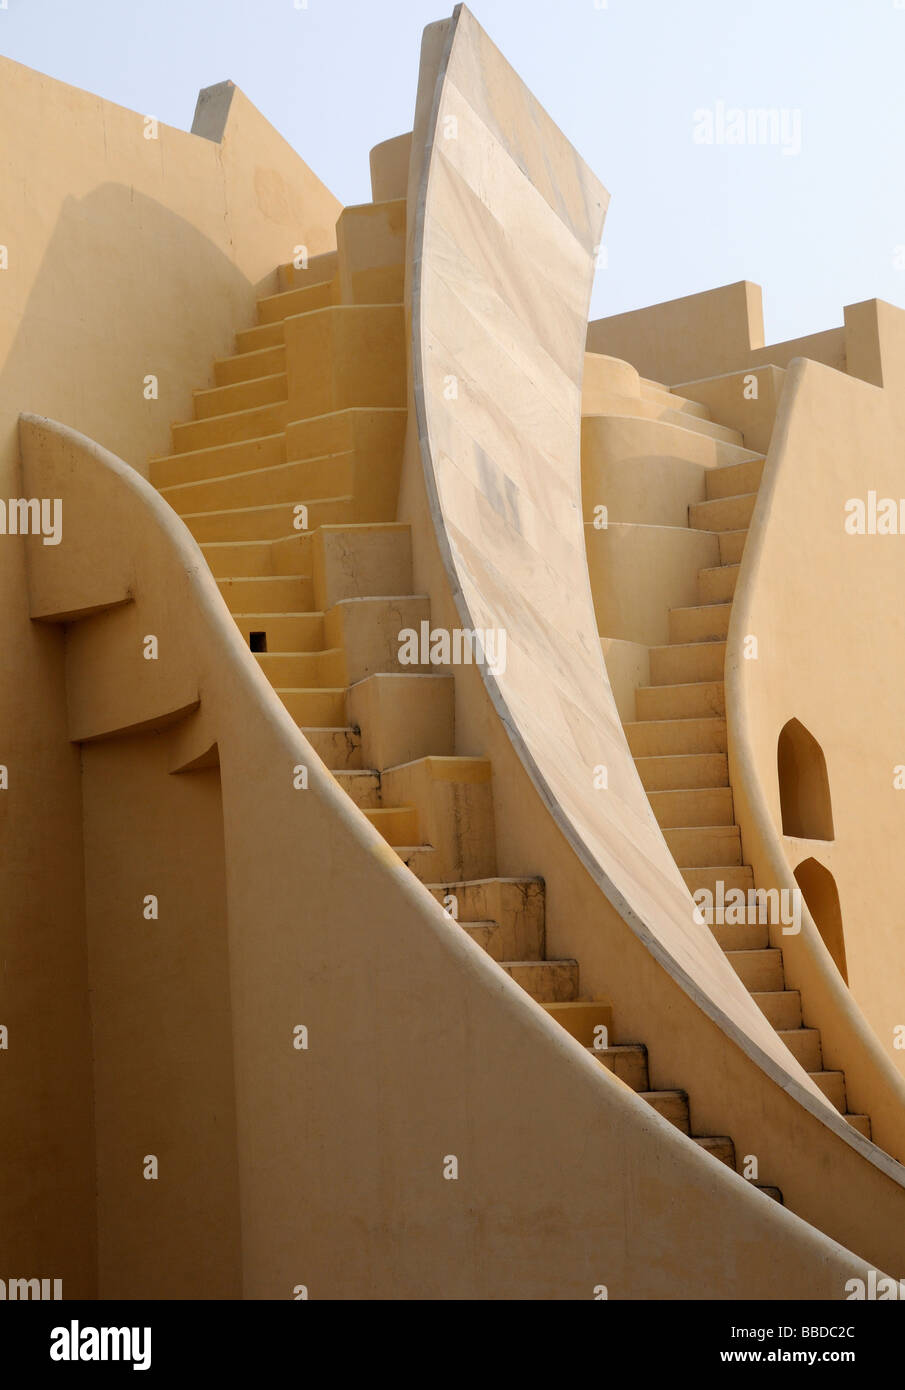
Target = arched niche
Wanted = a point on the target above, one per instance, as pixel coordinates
(818, 888)
(804, 788)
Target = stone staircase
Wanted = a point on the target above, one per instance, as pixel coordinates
(287, 477)
(679, 740)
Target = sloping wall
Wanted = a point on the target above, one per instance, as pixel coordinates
(125, 257)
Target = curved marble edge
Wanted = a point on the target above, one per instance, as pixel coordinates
(757, 1041)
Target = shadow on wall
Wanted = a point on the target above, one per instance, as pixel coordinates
(125, 290)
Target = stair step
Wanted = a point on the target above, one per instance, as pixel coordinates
(706, 622)
(734, 479)
(732, 544)
(716, 583)
(804, 1044)
(720, 1146)
(240, 395)
(672, 1105)
(267, 523)
(304, 670)
(397, 824)
(861, 1123)
(691, 846)
(361, 785)
(547, 981)
(683, 700)
(628, 1061)
(339, 748)
(772, 1192)
(723, 513)
(655, 738)
(652, 391)
(240, 559)
(759, 970)
(283, 632)
(249, 366)
(302, 300)
(692, 806)
(832, 1084)
(263, 335)
(683, 663)
(237, 425)
(671, 771)
(582, 1017)
(196, 465)
(312, 481)
(781, 1008)
(513, 909)
(316, 709)
(269, 593)
(709, 875)
(318, 271)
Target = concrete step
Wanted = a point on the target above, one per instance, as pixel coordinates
(547, 981)
(267, 523)
(716, 583)
(679, 663)
(732, 544)
(195, 465)
(269, 593)
(339, 748)
(759, 970)
(702, 623)
(512, 909)
(282, 632)
(676, 770)
(318, 271)
(397, 824)
(240, 395)
(298, 481)
(316, 709)
(782, 1008)
(249, 366)
(723, 513)
(672, 1105)
(661, 395)
(361, 785)
(804, 1044)
(683, 700)
(832, 1084)
(691, 846)
(582, 1017)
(734, 479)
(861, 1123)
(302, 300)
(655, 738)
(264, 335)
(304, 670)
(231, 428)
(720, 1146)
(692, 806)
(628, 1061)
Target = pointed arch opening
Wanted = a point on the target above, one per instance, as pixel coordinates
(804, 787)
(818, 888)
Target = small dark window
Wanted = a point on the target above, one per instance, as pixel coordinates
(818, 888)
(804, 787)
(257, 641)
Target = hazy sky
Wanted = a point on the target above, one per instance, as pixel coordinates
(813, 209)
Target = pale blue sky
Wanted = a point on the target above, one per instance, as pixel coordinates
(818, 229)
